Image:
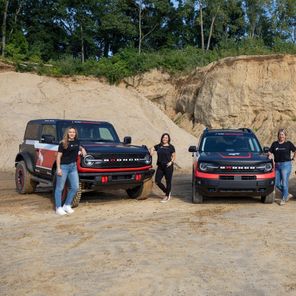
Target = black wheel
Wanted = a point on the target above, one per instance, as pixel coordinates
(196, 197)
(23, 179)
(141, 191)
(268, 199)
(76, 198)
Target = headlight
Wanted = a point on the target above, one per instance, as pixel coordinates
(88, 160)
(147, 159)
(203, 166)
(268, 167)
(207, 167)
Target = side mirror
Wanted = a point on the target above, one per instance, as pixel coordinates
(47, 139)
(265, 149)
(127, 140)
(192, 149)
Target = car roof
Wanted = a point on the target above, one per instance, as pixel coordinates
(234, 131)
(54, 121)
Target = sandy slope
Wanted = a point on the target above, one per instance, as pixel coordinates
(26, 96)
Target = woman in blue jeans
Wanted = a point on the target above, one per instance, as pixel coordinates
(68, 150)
(281, 150)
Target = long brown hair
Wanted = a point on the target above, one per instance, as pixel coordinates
(65, 139)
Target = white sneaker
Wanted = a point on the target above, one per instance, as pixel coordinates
(283, 202)
(169, 197)
(68, 209)
(60, 211)
(289, 196)
(165, 199)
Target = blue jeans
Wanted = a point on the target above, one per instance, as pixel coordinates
(282, 173)
(69, 171)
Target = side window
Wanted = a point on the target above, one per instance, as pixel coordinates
(49, 130)
(32, 131)
(105, 134)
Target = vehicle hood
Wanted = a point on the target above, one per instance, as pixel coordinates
(230, 157)
(110, 148)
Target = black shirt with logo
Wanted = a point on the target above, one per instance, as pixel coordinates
(70, 154)
(282, 152)
(164, 154)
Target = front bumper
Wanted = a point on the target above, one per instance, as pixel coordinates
(237, 186)
(116, 180)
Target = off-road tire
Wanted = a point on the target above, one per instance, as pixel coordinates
(76, 198)
(23, 179)
(268, 199)
(196, 197)
(141, 191)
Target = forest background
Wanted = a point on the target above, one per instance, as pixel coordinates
(121, 38)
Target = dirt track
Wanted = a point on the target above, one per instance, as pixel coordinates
(113, 245)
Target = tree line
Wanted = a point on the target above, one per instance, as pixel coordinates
(51, 30)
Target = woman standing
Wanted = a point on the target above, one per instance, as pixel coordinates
(166, 156)
(281, 150)
(68, 150)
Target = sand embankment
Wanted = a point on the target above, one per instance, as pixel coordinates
(25, 96)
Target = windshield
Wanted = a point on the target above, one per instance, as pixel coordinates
(91, 132)
(230, 142)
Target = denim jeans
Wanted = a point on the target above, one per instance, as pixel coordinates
(282, 173)
(69, 171)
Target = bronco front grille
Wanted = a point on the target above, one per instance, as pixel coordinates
(237, 177)
(240, 168)
(117, 160)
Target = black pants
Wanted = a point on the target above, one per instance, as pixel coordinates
(167, 172)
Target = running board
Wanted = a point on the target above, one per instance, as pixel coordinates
(36, 179)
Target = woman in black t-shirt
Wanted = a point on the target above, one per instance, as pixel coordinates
(281, 150)
(166, 156)
(68, 150)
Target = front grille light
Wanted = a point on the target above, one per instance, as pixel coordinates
(88, 160)
(207, 167)
(147, 159)
(266, 167)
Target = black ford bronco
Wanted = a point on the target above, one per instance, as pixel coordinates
(109, 163)
(231, 162)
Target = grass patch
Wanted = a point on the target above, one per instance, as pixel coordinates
(128, 62)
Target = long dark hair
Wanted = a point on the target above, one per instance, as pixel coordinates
(169, 138)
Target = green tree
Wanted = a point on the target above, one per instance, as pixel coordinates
(4, 24)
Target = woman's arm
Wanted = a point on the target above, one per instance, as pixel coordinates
(59, 170)
(82, 151)
(172, 159)
(151, 150)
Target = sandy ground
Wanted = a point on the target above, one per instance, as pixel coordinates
(113, 245)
